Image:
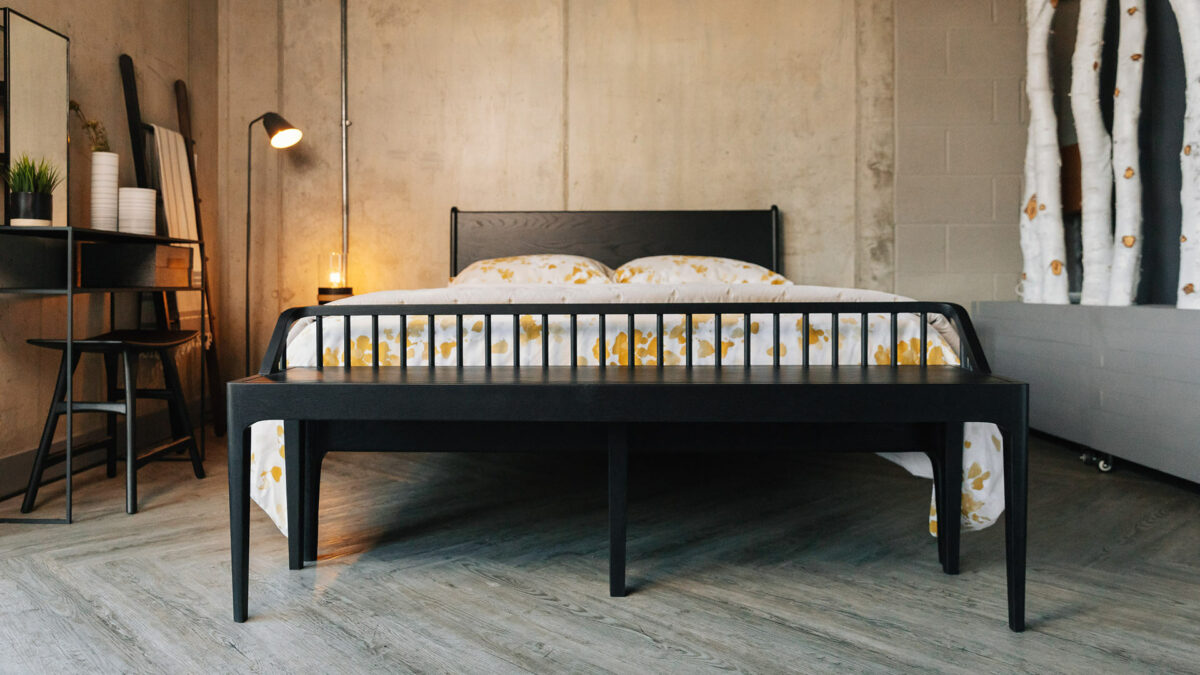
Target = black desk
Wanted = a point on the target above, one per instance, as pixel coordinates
(45, 261)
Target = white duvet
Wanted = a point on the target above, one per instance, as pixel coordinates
(982, 484)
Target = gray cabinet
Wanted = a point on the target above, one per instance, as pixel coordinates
(1121, 380)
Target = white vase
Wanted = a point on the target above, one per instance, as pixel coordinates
(138, 207)
(104, 190)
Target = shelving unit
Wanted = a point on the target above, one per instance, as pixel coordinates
(31, 258)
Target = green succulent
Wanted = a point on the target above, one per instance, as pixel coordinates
(26, 175)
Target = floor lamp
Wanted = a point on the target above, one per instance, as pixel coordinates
(282, 135)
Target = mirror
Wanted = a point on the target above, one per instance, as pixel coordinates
(37, 98)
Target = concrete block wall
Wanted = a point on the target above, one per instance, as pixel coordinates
(960, 145)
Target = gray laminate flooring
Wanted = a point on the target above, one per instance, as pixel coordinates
(496, 563)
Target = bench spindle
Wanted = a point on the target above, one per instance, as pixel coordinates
(834, 326)
(924, 337)
(775, 335)
(603, 341)
(320, 345)
(864, 334)
(574, 341)
(895, 340)
(746, 351)
(458, 338)
(545, 341)
(805, 329)
(687, 349)
(430, 345)
(717, 339)
(658, 333)
(516, 340)
(375, 341)
(631, 344)
(403, 337)
(346, 341)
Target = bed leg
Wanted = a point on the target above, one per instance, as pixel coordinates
(950, 506)
(293, 458)
(618, 479)
(1016, 490)
(312, 498)
(239, 514)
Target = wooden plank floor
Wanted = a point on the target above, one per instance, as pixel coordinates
(496, 563)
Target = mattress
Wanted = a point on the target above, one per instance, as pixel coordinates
(982, 485)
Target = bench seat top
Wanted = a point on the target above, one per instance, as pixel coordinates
(622, 394)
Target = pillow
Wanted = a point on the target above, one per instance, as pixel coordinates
(684, 269)
(546, 268)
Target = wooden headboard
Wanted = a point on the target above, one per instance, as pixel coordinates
(614, 237)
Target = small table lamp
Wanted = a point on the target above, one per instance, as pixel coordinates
(282, 135)
(331, 278)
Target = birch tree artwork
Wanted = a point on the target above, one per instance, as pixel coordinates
(1127, 97)
(1095, 150)
(1045, 276)
(1187, 14)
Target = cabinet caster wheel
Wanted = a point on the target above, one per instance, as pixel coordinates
(1105, 464)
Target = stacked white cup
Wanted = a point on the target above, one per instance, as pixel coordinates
(104, 191)
(137, 210)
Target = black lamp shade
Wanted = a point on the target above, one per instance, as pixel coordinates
(280, 131)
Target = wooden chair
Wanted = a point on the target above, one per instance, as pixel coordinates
(127, 345)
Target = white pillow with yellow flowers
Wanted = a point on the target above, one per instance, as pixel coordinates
(545, 268)
(684, 269)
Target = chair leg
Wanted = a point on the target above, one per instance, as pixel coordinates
(293, 458)
(110, 382)
(312, 499)
(43, 451)
(178, 428)
(1016, 490)
(950, 509)
(618, 480)
(181, 423)
(131, 463)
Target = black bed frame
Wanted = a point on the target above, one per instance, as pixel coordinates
(621, 409)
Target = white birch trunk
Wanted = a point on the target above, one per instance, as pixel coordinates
(1031, 251)
(1045, 209)
(1127, 172)
(1095, 151)
(1187, 13)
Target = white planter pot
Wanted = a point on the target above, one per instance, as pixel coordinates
(104, 190)
(138, 208)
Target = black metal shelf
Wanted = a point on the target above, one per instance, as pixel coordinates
(78, 290)
(89, 234)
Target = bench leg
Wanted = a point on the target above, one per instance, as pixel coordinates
(293, 459)
(939, 488)
(312, 499)
(950, 506)
(618, 479)
(239, 515)
(1016, 489)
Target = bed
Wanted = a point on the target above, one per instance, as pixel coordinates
(694, 366)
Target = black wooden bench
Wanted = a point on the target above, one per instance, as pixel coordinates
(461, 408)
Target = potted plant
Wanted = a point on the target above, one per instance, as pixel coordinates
(31, 191)
(104, 172)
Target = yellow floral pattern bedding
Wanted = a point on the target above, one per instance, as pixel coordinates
(982, 487)
(541, 268)
(689, 269)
